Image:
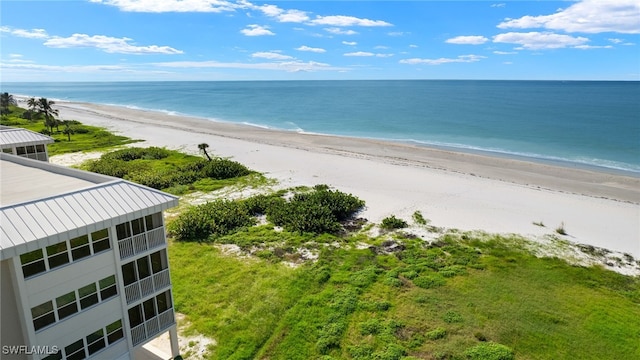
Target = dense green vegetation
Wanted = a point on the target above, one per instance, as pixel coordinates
(69, 137)
(168, 170)
(462, 297)
(317, 211)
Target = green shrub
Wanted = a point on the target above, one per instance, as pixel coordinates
(210, 220)
(224, 169)
(452, 317)
(391, 222)
(370, 327)
(429, 281)
(258, 204)
(489, 351)
(418, 218)
(134, 153)
(436, 334)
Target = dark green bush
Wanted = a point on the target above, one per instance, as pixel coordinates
(370, 327)
(452, 317)
(392, 222)
(490, 351)
(210, 220)
(224, 169)
(436, 334)
(429, 281)
(258, 204)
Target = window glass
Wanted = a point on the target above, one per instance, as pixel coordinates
(80, 247)
(95, 342)
(100, 240)
(57, 254)
(88, 296)
(153, 221)
(31, 149)
(20, 150)
(129, 273)
(114, 332)
(138, 226)
(7, 150)
(40, 148)
(143, 267)
(108, 287)
(75, 351)
(158, 262)
(164, 302)
(33, 263)
(135, 316)
(149, 309)
(66, 305)
(123, 231)
(43, 315)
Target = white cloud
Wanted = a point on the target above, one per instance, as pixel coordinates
(108, 44)
(156, 6)
(397, 33)
(31, 34)
(497, 52)
(360, 53)
(14, 56)
(381, 47)
(342, 20)
(587, 16)
(508, 63)
(281, 15)
(500, 5)
(350, 43)
(367, 54)
(440, 61)
(539, 40)
(616, 41)
(256, 30)
(66, 68)
(413, 46)
(271, 56)
(468, 40)
(339, 31)
(311, 49)
(288, 66)
(589, 47)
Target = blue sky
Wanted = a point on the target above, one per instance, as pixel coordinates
(116, 40)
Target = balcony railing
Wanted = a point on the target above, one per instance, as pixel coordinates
(137, 244)
(147, 286)
(152, 327)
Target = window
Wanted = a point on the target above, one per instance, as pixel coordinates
(40, 148)
(7, 150)
(108, 287)
(57, 255)
(143, 268)
(135, 316)
(21, 151)
(66, 305)
(31, 149)
(123, 231)
(149, 309)
(153, 221)
(43, 315)
(129, 273)
(80, 247)
(75, 351)
(32, 263)
(88, 296)
(114, 332)
(158, 261)
(164, 302)
(100, 240)
(95, 342)
(137, 226)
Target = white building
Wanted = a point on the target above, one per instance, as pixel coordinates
(83, 264)
(25, 143)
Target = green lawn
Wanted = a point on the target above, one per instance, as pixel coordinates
(432, 303)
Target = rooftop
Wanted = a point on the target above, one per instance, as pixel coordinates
(42, 203)
(21, 137)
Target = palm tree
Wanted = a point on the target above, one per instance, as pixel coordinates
(68, 130)
(44, 108)
(6, 100)
(203, 147)
(32, 103)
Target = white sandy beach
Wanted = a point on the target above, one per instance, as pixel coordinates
(453, 190)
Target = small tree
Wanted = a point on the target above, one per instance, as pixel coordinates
(203, 147)
(68, 130)
(49, 113)
(6, 100)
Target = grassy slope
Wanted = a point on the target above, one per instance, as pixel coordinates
(347, 305)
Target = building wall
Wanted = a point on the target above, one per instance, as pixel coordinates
(11, 328)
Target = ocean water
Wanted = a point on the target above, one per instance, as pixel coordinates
(576, 123)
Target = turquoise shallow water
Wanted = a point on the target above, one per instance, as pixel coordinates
(575, 122)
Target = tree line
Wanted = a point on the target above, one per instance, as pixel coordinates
(38, 109)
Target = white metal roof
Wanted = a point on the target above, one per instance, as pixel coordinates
(94, 203)
(21, 137)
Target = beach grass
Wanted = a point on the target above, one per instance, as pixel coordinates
(428, 302)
